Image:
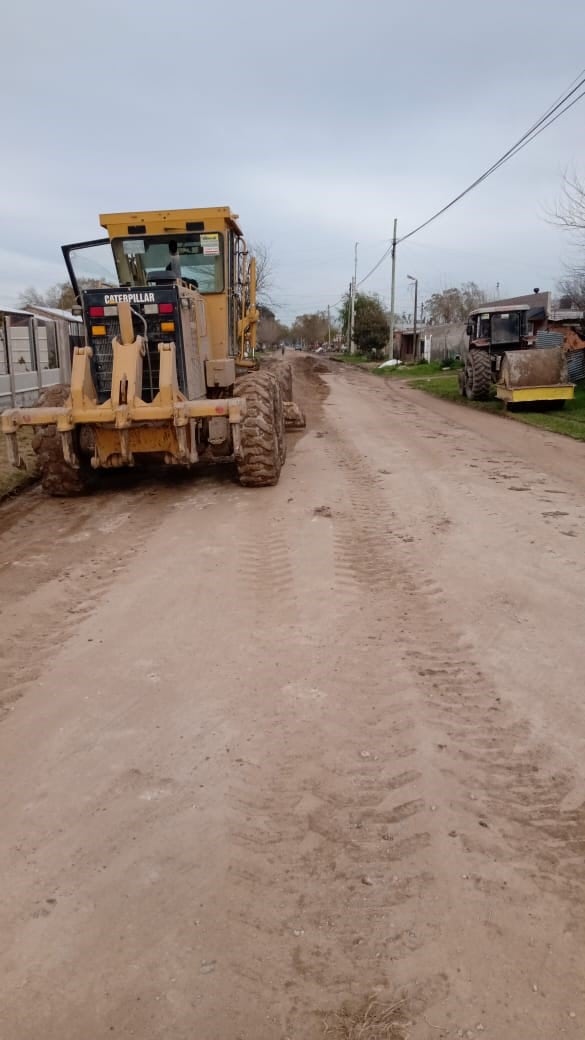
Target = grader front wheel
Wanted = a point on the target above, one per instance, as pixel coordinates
(262, 431)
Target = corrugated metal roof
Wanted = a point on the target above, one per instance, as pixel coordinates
(576, 365)
(566, 315)
(549, 339)
(50, 313)
(499, 308)
(535, 299)
(55, 312)
(15, 310)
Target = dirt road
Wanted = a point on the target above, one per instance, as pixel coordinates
(266, 752)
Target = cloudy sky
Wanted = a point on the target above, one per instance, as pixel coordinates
(318, 121)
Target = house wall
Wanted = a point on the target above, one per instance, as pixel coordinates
(34, 353)
(435, 342)
(442, 341)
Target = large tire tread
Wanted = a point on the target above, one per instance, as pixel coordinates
(478, 375)
(262, 430)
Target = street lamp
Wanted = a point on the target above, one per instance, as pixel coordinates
(414, 342)
(352, 300)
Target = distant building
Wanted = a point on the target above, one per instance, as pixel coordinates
(436, 342)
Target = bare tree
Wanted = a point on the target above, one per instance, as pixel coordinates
(570, 210)
(453, 305)
(31, 297)
(571, 290)
(60, 296)
(569, 215)
(264, 270)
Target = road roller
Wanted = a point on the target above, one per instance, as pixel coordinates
(502, 351)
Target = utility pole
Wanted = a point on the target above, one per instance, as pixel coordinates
(328, 326)
(350, 298)
(352, 304)
(393, 290)
(414, 340)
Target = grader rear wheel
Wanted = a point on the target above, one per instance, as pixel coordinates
(283, 373)
(58, 478)
(279, 417)
(294, 417)
(262, 430)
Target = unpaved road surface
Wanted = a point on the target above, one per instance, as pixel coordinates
(266, 752)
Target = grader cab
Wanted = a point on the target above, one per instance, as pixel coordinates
(167, 373)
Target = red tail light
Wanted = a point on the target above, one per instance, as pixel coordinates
(165, 308)
(96, 312)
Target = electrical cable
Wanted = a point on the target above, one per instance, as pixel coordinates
(550, 116)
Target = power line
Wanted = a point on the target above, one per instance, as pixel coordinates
(550, 116)
(523, 141)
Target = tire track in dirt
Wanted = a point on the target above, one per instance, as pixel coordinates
(60, 556)
(460, 695)
(266, 575)
(346, 808)
(510, 792)
(337, 838)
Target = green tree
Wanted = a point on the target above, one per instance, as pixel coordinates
(311, 328)
(371, 323)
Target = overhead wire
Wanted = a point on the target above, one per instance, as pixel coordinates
(522, 143)
(550, 116)
(559, 107)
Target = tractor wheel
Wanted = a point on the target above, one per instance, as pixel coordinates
(262, 430)
(477, 376)
(58, 478)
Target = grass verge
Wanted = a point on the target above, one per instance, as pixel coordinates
(352, 359)
(426, 369)
(569, 421)
(11, 479)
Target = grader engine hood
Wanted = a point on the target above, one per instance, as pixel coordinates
(155, 317)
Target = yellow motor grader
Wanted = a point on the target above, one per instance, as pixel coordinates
(167, 373)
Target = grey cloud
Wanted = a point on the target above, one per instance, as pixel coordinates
(318, 122)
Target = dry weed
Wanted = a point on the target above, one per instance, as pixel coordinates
(370, 1020)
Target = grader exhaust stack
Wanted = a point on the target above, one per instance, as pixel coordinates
(168, 372)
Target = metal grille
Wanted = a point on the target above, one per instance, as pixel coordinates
(103, 360)
(102, 363)
(549, 339)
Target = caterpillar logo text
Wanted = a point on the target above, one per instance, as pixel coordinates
(139, 297)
